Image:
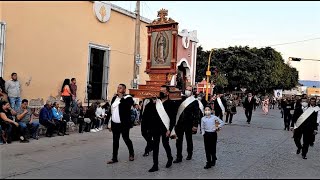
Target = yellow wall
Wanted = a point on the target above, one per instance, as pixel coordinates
(0, 10)
(313, 91)
(48, 42)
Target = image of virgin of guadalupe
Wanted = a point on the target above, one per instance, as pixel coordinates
(161, 49)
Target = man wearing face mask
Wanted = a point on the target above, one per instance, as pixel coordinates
(160, 125)
(306, 121)
(188, 116)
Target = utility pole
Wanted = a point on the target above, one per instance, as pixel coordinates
(137, 56)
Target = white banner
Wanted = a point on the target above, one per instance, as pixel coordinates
(278, 93)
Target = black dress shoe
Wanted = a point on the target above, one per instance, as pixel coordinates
(131, 158)
(59, 134)
(178, 160)
(66, 134)
(189, 157)
(154, 169)
(112, 161)
(213, 163)
(169, 163)
(207, 166)
(298, 151)
(145, 154)
(304, 157)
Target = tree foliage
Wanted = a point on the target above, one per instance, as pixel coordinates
(260, 70)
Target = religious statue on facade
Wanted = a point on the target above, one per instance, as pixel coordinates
(161, 49)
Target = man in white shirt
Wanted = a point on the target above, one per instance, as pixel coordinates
(100, 117)
(120, 122)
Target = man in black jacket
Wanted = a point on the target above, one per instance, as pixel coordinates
(287, 112)
(306, 121)
(190, 113)
(120, 122)
(160, 124)
(248, 106)
(220, 105)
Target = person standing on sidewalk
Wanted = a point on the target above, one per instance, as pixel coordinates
(66, 95)
(120, 122)
(73, 88)
(13, 88)
(209, 133)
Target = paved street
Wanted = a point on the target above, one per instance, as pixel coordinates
(259, 150)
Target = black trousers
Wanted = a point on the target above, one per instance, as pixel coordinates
(229, 114)
(165, 142)
(248, 115)
(80, 121)
(287, 119)
(67, 101)
(61, 126)
(50, 125)
(210, 145)
(219, 114)
(307, 139)
(148, 137)
(179, 142)
(118, 129)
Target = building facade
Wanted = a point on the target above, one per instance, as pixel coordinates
(47, 42)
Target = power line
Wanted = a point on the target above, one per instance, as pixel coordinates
(148, 8)
(291, 42)
(130, 54)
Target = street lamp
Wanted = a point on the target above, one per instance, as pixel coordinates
(299, 59)
(208, 74)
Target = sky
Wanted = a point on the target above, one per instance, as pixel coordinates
(254, 24)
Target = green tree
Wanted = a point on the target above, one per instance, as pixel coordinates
(260, 70)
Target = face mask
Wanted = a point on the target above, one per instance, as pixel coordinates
(199, 98)
(163, 95)
(187, 93)
(304, 104)
(207, 113)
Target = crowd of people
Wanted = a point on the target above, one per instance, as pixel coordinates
(19, 121)
(159, 117)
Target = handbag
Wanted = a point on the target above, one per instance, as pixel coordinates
(87, 120)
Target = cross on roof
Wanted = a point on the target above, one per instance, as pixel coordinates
(162, 14)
